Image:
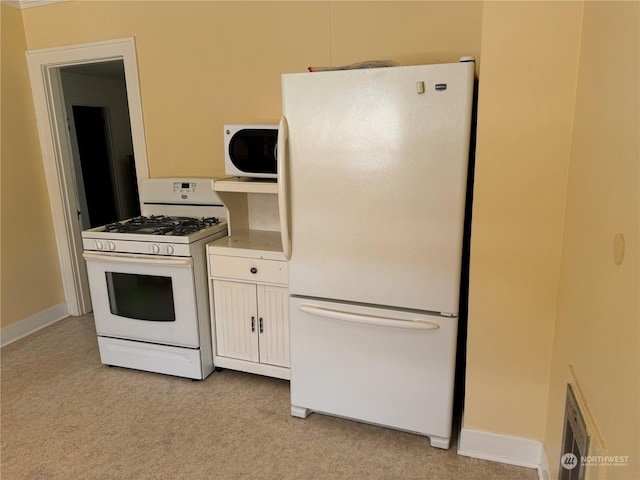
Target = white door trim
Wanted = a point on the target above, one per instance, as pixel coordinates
(44, 71)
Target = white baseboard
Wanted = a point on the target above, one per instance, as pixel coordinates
(522, 452)
(25, 327)
(543, 468)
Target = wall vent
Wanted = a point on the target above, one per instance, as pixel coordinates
(575, 440)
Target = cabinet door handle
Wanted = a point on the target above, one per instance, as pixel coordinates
(253, 324)
(253, 270)
(261, 329)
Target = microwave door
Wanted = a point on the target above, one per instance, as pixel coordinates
(251, 150)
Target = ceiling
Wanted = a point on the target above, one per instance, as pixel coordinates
(113, 70)
(30, 3)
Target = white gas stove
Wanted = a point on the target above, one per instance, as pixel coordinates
(148, 279)
(152, 235)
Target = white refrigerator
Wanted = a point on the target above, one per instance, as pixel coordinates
(372, 179)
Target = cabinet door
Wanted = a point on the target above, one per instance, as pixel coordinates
(236, 320)
(273, 312)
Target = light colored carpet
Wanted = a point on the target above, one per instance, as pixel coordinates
(66, 416)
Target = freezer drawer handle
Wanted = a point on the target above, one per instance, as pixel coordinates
(369, 319)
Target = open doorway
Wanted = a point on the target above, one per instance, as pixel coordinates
(95, 160)
(95, 99)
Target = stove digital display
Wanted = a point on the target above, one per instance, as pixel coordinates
(184, 187)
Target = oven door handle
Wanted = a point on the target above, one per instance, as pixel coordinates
(139, 259)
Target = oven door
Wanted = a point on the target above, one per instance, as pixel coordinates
(143, 297)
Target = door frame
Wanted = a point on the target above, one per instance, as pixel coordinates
(44, 71)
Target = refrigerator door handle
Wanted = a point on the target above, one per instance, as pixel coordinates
(369, 319)
(283, 201)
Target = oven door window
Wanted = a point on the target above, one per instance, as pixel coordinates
(141, 297)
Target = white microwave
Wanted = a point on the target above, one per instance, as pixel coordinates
(251, 150)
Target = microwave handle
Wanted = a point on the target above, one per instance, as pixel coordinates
(283, 201)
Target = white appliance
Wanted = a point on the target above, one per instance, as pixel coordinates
(148, 280)
(251, 151)
(373, 174)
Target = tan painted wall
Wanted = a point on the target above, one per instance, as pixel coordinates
(527, 89)
(598, 323)
(204, 64)
(30, 271)
(410, 33)
(201, 64)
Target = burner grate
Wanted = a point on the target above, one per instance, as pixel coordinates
(162, 225)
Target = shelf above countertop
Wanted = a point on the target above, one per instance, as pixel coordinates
(263, 244)
(246, 185)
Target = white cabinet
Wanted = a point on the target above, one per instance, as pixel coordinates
(252, 323)
(248, 282)
(250, 316)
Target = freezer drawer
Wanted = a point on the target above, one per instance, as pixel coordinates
(388, 367)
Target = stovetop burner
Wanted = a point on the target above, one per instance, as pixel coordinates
(162, 225)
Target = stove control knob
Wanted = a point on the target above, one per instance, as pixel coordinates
(111, 246)
(170, 249)
(99, 245)
(155, 248)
